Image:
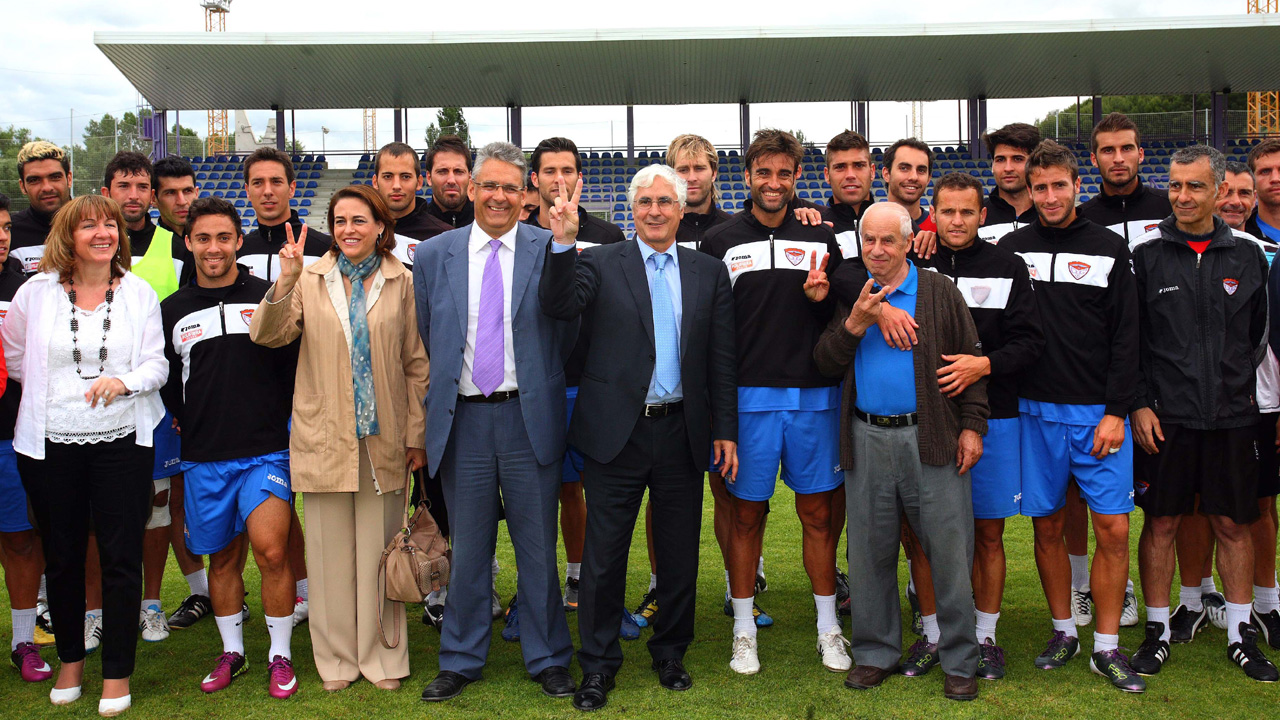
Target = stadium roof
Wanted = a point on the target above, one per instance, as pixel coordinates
(671, 66)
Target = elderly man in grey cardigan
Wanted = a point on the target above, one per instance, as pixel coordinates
(905, 448)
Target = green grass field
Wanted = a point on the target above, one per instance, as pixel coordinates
(1199, 681)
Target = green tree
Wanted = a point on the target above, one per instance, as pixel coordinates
(449, 121)
(1160, 109)
(11, 141)
(799, 135)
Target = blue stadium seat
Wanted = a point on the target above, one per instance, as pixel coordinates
(239, 203)
(221, 186)
(293, 203)
(217, 193)
(305, 212)
(359, 175)
(312, 184)
(321, 159)
(204, 193)
(202, 176)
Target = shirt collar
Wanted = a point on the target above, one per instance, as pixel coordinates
(908, 286)
(646, 252)
(480, 239)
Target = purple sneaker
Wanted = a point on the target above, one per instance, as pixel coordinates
(921, 658)
(283, 682)
(1114, 666)
(230, 666)
(1062, 647)
(30, 665)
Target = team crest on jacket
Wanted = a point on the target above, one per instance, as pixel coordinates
(1151, 227)
(409, 250)
(795, 255)
(980, 293)
(1077, 269)
(246, 315)
(1230, 285)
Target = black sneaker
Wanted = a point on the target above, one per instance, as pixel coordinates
(190, 612)
(917, 620)
(1114, 666)
(1268, 625)
(761, 583)
(1186, 622)
(844, 604)
(571, 586)
(921, 658)
(990, 661)
(1062, 647)
(433, 614)
(1152, 653)
(1249, 657)
(647, 610)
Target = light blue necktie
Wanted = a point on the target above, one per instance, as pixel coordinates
(664, 329)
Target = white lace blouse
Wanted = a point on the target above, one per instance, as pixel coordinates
(70, 419)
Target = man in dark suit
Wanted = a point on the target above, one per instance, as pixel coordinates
(658, 385)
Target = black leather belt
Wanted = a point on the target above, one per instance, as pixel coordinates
(663, 410)
(888, 421)
(496, 397)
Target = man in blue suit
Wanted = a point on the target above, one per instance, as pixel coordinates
(495, 420)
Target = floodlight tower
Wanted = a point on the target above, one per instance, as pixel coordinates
(1264, 107)
(215, 20)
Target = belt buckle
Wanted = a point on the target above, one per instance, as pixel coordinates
(884, 421)
(650, 410)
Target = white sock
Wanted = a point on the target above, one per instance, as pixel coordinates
(198, 581)
(232, 631)
(1266, 599)
(1079, 572)
(281, 631)
(573, 571)
(24, 627)
(827, 619)
(986, 629)
(930, 625)
(300, 588)
(1128, 587)
(1160, 615)
(1067, 626)
(1102, 643)
(653, 582)
(1191, 597)
(43, 594)
(1207, 585)
(744, 622)
(151, 604)
(1236, 613)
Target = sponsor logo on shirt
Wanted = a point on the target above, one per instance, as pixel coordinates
(795, 256)
(190, 332)
(1230, 285)
(741, 262)
(1077, 269)
(1171, 288)
(246, 315)
(277, 480)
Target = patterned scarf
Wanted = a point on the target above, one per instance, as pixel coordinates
(361, 360)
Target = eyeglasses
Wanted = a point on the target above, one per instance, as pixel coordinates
(492, 187)
(663, 203)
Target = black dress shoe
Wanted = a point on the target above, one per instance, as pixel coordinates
(594, 692)
(446, 686)
(556, 682)
(672, 675)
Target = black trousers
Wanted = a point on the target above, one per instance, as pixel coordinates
(110, 485)
(657, 457)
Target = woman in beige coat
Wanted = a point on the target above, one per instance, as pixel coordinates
(358, 426)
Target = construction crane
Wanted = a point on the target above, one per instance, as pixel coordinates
(1264, 107)
(370, 129)
(215, 20)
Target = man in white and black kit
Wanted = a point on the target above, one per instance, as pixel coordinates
(235, 448)
(270, 181)
(1009, 205)
(397, 177)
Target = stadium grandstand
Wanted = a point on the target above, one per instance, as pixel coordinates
(700, 66)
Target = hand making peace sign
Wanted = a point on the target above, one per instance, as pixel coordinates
(816, 285)
(563, 215)
(290, 262)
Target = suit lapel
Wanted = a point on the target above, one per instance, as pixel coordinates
(638, 281)
(455, 267)
(688, 295)
(527, 249)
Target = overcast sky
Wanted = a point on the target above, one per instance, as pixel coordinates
(50, 64)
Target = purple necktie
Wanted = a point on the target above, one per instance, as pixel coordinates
(487, 369)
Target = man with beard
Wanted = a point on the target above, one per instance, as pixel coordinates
(849, 172)
(695, 160)
(44, 176)
(449, 172)
(1009, 205)
(397, 177)
(908, 166)
(270, 181)
(1264, 161)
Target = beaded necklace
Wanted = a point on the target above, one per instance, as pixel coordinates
(75, 330)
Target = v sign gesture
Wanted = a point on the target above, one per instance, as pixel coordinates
(816, 285)
(563, 215)
(290, 262)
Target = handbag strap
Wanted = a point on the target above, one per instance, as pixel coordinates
(382, 600)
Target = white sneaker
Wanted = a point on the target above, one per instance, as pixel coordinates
(153, 624)
(495, 605)
(92, 632)
(746, 659)
(301, 611)
(1216, 605)
(1081, 607)
(832, 649)
(1129, 616)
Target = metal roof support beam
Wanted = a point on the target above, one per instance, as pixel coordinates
(1218, 128)
(177, 131)
(859, 112)
(744, 123)
(631, 133)
(517, 125)
(157, 127)
(1097, 112)
(399, 125)
(280, 145)
(977, 124)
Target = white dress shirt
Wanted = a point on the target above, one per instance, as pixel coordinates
(477, 254)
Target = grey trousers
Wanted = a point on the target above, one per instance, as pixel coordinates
(887, 480)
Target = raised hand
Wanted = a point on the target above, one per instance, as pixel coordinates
(563, 214)
(866, 311)
(816, 285)
(290, 261)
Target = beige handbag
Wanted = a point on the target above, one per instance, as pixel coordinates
(414, 563)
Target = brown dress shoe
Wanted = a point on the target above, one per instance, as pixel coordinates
(336, 685)
(865, 677)
(960, 688)
(388, 684)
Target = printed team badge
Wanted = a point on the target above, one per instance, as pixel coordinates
(1077, 269)
(1230, 285)
(980, 293)
(246, 315)
(409, 250)
(1151, 227)
(795, 256)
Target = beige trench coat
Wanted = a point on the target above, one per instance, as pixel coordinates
(324, 456)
